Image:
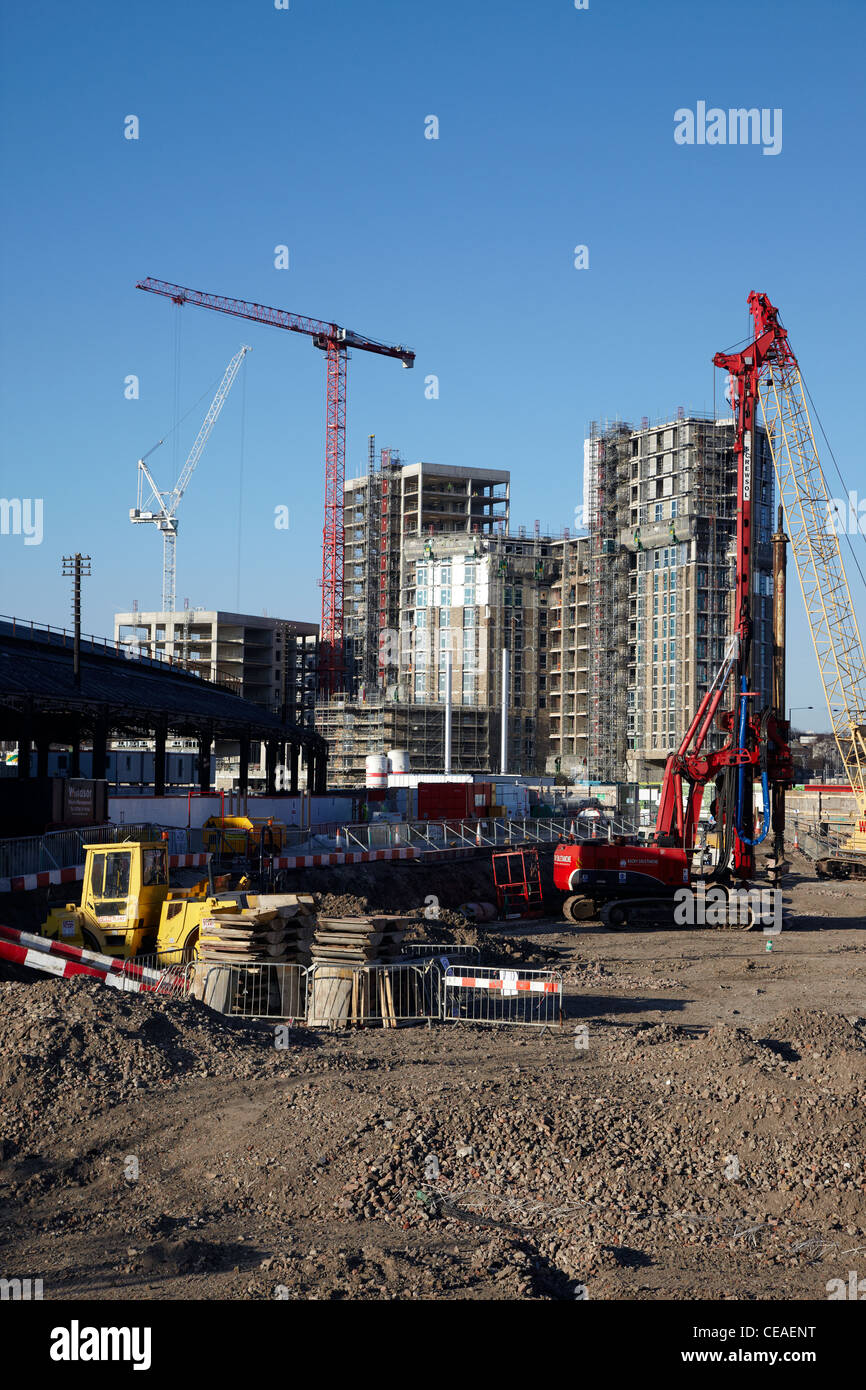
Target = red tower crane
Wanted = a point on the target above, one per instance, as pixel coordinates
(335, 343)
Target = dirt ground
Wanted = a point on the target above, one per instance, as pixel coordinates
(694, 1130)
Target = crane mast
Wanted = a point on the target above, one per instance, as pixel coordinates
(817, 551)
(164, 514)
(335, 342)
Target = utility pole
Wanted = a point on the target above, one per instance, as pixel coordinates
(76, 567)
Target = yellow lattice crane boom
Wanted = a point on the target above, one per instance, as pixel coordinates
(815, 542)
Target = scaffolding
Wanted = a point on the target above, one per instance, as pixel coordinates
(355, 730)
(609, 463)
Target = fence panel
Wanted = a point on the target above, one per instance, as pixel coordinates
(267, 989)
(387, 995)
(444, 952)
(493, 994)
(163, 973)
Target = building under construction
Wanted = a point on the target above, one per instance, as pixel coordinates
(642, 605)
(388, 505)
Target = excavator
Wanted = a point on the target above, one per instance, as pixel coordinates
(633, 884)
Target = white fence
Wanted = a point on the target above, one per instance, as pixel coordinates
(420, 988)
(495, 994)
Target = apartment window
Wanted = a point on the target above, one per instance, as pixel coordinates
(420, 574)
(421, 617)
(419, 683)
(469, 617)
(420, 598)
(674, 507)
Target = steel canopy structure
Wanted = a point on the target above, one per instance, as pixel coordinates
(41, 704)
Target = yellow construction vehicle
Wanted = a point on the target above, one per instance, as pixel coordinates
(242, 835)
(128, 908)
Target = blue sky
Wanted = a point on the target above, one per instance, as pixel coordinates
(305, 127)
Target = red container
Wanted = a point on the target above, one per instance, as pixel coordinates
(445, 800)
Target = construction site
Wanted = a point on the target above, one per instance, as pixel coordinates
(488, 939)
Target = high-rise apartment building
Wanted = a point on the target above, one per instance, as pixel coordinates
(390, 504)
(643, 607)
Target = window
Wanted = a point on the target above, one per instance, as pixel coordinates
(419, 683)
(469, 617)
(110, 876)
(153, 867)
(421, 598)
(657, 511)
(445, 598)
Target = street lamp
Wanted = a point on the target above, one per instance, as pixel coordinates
(791, 709)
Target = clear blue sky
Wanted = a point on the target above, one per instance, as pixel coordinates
(260, 127)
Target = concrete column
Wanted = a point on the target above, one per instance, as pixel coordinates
(159, 760)
(244, 766)
(204, 747)
(320, 779)
(271, 747)
(99, 756)
(503, 754)
(75, 755)
(448, 676)
(42, 750)
(293, 767)
(25, 738)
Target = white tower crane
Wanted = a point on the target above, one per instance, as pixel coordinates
(160, 508)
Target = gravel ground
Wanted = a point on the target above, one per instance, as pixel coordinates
(693, 1131)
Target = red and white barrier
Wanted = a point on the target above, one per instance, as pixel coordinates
(26, 883)
(58, 959)
(507, 983)
(319, 861)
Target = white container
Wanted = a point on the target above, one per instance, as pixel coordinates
(398, 760)
(376, 766)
